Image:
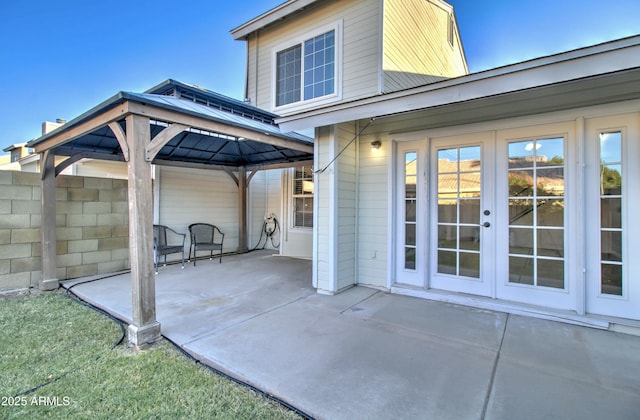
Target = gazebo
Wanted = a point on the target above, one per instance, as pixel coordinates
(174, 124)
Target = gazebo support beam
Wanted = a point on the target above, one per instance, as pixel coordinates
(242, 210)
(49, 278)
(145, 329)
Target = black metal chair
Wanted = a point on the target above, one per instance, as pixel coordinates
(205, 237)
(167, 241)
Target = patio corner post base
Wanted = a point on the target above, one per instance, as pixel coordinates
(49, 284)
(145, 335)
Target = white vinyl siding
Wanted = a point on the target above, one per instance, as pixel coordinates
(352, 238)
(324, 252)
(373, 216)
(192, 195)
(265, 196)
(346, 206)
(101, 168)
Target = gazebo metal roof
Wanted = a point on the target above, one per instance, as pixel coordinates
(219, 131)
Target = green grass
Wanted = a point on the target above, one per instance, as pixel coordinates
(51, 339)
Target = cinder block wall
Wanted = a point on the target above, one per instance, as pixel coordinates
(92, 227)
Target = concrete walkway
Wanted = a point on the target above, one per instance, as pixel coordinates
(365, 354)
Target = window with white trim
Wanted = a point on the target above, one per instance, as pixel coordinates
(303, 197)
(306, 70)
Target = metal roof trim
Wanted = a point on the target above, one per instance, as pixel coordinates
(203, 111)
(116, 99)
(214, 96)
(168, 102)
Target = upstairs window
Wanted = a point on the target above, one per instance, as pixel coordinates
(289, 76)
(307, 70)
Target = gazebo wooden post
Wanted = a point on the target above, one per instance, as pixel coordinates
(49, 278)
(242, 210)
(144, 328)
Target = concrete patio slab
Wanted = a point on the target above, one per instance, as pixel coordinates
(336, 366)
(552, 370)
(366, 354)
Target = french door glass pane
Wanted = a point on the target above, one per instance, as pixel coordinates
(470, 238)
(410, 211)
(520, 212)
(610, 212)
(521, 183)
(611, 245)
(447, 211)
(410, 258)
(550, 152)
(470, 211)
(410, 234)
(550, 242)
(550, 212)
(470, 264)
(611, 222)
(611, 179)
(550, 273)
(448, 236)
(611, 147)
(458, 190)
(536, 214)
(521, 270)
(550, 182)
(611, 279)
(521, 241)
(410, 206)
(447, 262)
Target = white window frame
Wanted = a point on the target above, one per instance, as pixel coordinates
(299, 40)
(293, 196)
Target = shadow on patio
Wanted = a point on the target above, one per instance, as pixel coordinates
(209, 297)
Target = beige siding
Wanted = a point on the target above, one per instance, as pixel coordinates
(191, 195)
(360, 47)
(429, 57)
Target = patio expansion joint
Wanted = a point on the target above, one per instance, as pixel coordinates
(244, 321)
(487, 397)
(360, 302)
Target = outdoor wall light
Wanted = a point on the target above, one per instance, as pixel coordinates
(375, 145)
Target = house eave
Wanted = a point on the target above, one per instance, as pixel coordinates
(541, 75)
(277, 13)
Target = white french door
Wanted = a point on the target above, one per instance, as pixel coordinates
(488, 214)
(612, 173)
(537, 217)
(462, 235)
(411, 217)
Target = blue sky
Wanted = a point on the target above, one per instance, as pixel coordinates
(59, 59)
